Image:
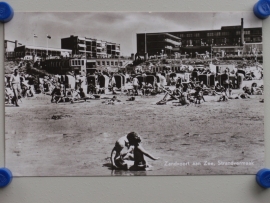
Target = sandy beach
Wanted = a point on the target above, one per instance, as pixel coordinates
(48, 139)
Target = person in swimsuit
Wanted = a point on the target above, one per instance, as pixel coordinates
(122, 151)
(139, 152)
(15, 86)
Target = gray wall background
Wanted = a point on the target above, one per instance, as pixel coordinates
(192, 189)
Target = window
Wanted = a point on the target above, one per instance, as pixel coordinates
(112, 63)
(210, 34)
(120, 63)
(83, 62)
(247, 39)
(238, 32)
(103, 63)
(217, 34)
(108, 63)
(225, 33)
(116, 63)
(257, 31)
(98, 63)
(247, 32)
(189, 35)
(257, 39)
(197, 35)
(181, 35)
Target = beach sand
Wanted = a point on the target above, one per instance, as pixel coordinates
(79, 143)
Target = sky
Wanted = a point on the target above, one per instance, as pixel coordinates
(118, 27)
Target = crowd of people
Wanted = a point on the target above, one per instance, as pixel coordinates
(186, 90)
(128, 153)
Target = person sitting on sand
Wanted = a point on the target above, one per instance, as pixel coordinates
(85, 96)
(147, 89)
(184, 98)
(223, 97)
(56, 93)
(198, 95)
(112, 100)
(81, 95)
(29, 92)
(139, 152)
(121, 152)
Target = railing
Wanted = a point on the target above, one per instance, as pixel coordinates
(173, 42)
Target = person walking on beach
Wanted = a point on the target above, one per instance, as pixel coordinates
(15, 86)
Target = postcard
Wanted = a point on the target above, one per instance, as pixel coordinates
(134, 94)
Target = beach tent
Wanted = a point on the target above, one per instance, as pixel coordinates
(151, 79)
(204, 78)
(123, 79)
(162, 80)
(233, 80)
(104, 82)
(70, 81)
(223, 79)
(212, 80)
(91, 84)
(141, 80)
(118, 81)
(194, 75)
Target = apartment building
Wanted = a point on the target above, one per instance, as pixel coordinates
(90, 48)
(229, 39)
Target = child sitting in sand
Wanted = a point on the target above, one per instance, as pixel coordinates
(139, 152)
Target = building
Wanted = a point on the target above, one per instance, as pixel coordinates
(91, 48)
(28, 51)
(84, 66)
(227, 40)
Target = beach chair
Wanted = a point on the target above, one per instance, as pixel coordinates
(240, 79)
(233, 80)
(103, 83)
(118, 81)
(212, 80)
(223, 79)
(241, 72)
(70, 82)
(91, 84)
(151, 79)
(194, 75)
(204, 78)
(141, 79)
(123, 79)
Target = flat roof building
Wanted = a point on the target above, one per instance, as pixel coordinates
(228, 38)
(91, 48)
(26, 50)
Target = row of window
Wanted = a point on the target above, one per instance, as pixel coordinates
(58, 64)
(246, 32)
(212, 34)
(76, 62)
(109, 63)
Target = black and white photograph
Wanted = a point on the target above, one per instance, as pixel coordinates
(133, 93)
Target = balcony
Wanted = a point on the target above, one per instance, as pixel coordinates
(81, 46)
(172, 42)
